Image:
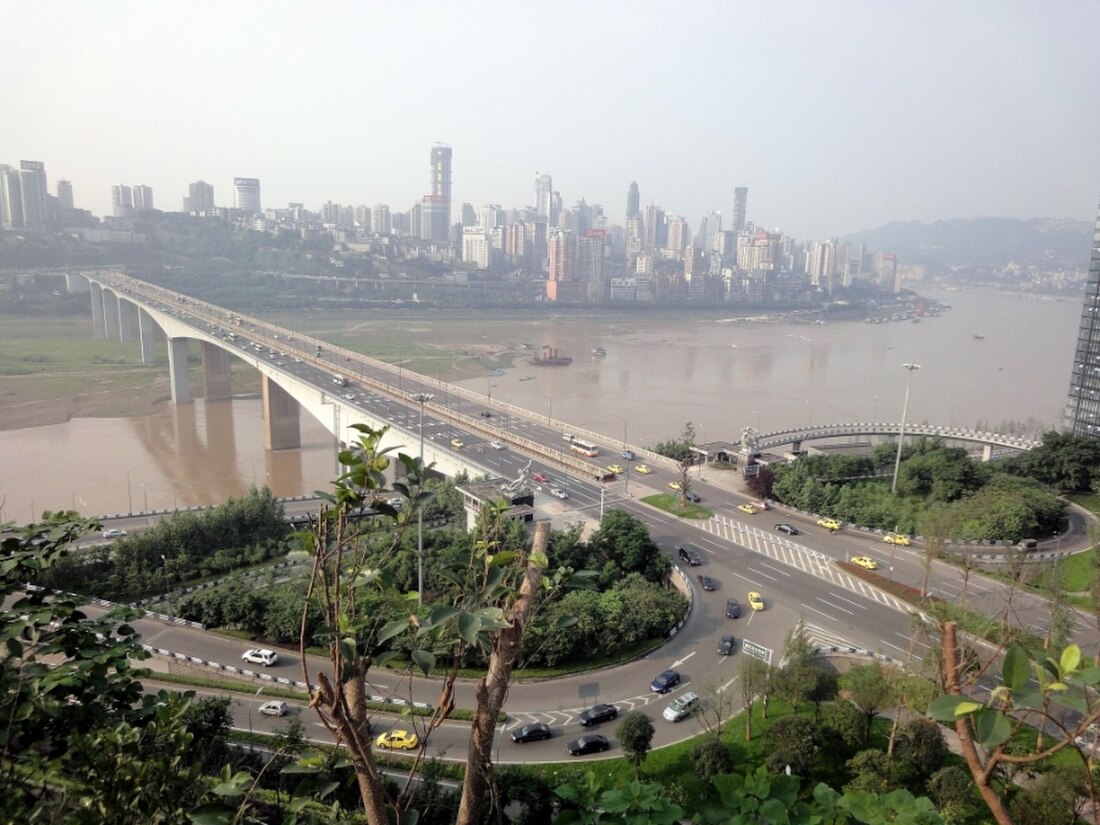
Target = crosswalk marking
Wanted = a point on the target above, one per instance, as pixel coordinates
(785, 551)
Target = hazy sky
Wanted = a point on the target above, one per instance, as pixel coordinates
(837, 115)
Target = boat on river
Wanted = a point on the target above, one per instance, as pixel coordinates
(550, 357)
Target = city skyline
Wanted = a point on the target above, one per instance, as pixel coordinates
(838, 117)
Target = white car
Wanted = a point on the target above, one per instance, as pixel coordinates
(114, 533)
(558, 492)
(260, 656)
(496, 445)
(274, 708)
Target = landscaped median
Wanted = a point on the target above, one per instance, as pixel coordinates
(673, 503)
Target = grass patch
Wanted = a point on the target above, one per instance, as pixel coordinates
(671, 503)
(1078, 570)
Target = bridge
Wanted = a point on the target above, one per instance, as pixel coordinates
(340, 387)
(753, 441)
(336, 386)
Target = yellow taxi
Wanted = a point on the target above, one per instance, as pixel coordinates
(457, 443)
(398, 739)
(896, 538)
(828, 523)
(643, 469)
(747, 508)
(756, 601)
(675, 485)
(617, 469)
(865, 562)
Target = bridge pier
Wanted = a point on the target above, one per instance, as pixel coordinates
(147, 333)
(127, 320)
(177, 369)
(987, 452)
(99, 326)
(110, 314)
(281, 418)
(75, 283)
(217, 385)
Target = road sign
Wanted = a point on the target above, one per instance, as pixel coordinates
(758, 651)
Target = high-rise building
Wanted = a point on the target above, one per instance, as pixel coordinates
(11, 198)
(64, 195)
(380, 222)
(436, 217)
(740, 207)
(32, 179)
(1082, 412)
(475, 246)
(122, 200)
(656, 230)
(246, 195)
(677, 237)
(200, 199)
(633, 201)
(544, 190)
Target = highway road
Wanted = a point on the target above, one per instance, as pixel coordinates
(797, 575)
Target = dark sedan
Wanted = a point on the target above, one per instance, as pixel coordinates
(708, 584)
(531, 733)
(733, 609)
(725, 647)
(592, 743)
(789, 529)
(598, 713)
(666, 680)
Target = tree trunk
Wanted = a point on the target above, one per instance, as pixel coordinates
(493, 688)
(995, 804)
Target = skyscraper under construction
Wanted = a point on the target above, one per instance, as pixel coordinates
(1082, 415)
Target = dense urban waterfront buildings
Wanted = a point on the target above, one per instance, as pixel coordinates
(576, 254)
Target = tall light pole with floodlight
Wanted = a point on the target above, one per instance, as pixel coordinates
(904, 415)
(422, 398)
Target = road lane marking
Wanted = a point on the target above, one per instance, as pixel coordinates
(822, 612)
(837, 606)
(777, 570)
(849, 601)
(681, 661)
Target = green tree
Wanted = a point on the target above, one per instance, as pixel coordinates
(622, 545)
(592, 800)
(843, 727)
(489, 600)
(1065, 462)
(920, 750)
(635, 735)
(870, 771)
(793, 743)
(754, 679)
(1039, 690)
(870, 690)
(711, 757)
(952, 789)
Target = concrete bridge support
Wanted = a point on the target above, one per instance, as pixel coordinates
(110, 314)
(75, 283)
(987, 452)
(99, 328)
(281, 418)
(127, 320)
(177, 369)
(147, 332)
(217, 385)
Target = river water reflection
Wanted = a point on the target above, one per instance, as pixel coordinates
(659, 372)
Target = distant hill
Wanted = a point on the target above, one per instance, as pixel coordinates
(1051, 242)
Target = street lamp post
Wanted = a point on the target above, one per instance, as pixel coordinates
(549, 409)
(422, 398)
(626, 475)
(904, 415)
(129, 498)
(145, 501)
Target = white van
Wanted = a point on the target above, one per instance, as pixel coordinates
(682, 707)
